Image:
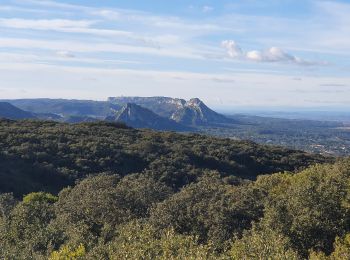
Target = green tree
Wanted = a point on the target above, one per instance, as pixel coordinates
(67, 253)
(308, 207)
(262, 243)
(209, 209)
(141, 241)
(341, 250)
(27, 233)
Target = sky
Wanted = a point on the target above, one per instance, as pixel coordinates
(229, 53)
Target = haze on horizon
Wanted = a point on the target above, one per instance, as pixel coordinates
(228, 53)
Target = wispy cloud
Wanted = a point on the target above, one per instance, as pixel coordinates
(88, 47)
(144, 18)
(49, 3)
(207, 9)
(65, 54)
(60, 25)
(53, 24)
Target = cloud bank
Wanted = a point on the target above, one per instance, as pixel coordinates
(273, 54)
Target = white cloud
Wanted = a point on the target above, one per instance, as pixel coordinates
(207, 9)
(233, 50)
(273, 54)
(108, 14)
(65, 54)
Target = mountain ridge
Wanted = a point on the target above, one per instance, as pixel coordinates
(163, 106)
(139, 117)
(9, 111)
(192, 112)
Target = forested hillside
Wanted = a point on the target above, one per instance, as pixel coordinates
(106, 191)
(47, 156)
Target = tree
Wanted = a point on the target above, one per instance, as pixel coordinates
(262, 243)
(67, 253)
(27, 232)
(137, 240)
(341, 250)
(209, 209)
(308, 207)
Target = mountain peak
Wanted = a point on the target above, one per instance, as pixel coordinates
(139, 117)
(131, 106)
(195, 112)
(194, 101)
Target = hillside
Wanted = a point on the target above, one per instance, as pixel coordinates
(140, 194)
(11, 112)
(138, 117)
(70, 152)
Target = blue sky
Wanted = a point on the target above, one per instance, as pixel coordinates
(228, 53)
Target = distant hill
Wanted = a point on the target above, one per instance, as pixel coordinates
(65, 107)
(11, 112)
(195, 112)
(139, 117)
(190, 113)
(163, 106)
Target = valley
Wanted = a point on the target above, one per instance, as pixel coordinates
(174, 114)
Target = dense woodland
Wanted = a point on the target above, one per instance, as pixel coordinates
(106, 191)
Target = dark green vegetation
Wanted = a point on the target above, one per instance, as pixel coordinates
(47, 156)
(106, 191)
(139, 194)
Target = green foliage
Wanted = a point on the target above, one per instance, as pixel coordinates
(26, 232)
(209, 209)
(48, 156)
(105, 202)
(142, 241)
(174, 197)
(341, 250)
(67, 253)
(39, 197)
(262, 243)
(308, 207)
(7, 203)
